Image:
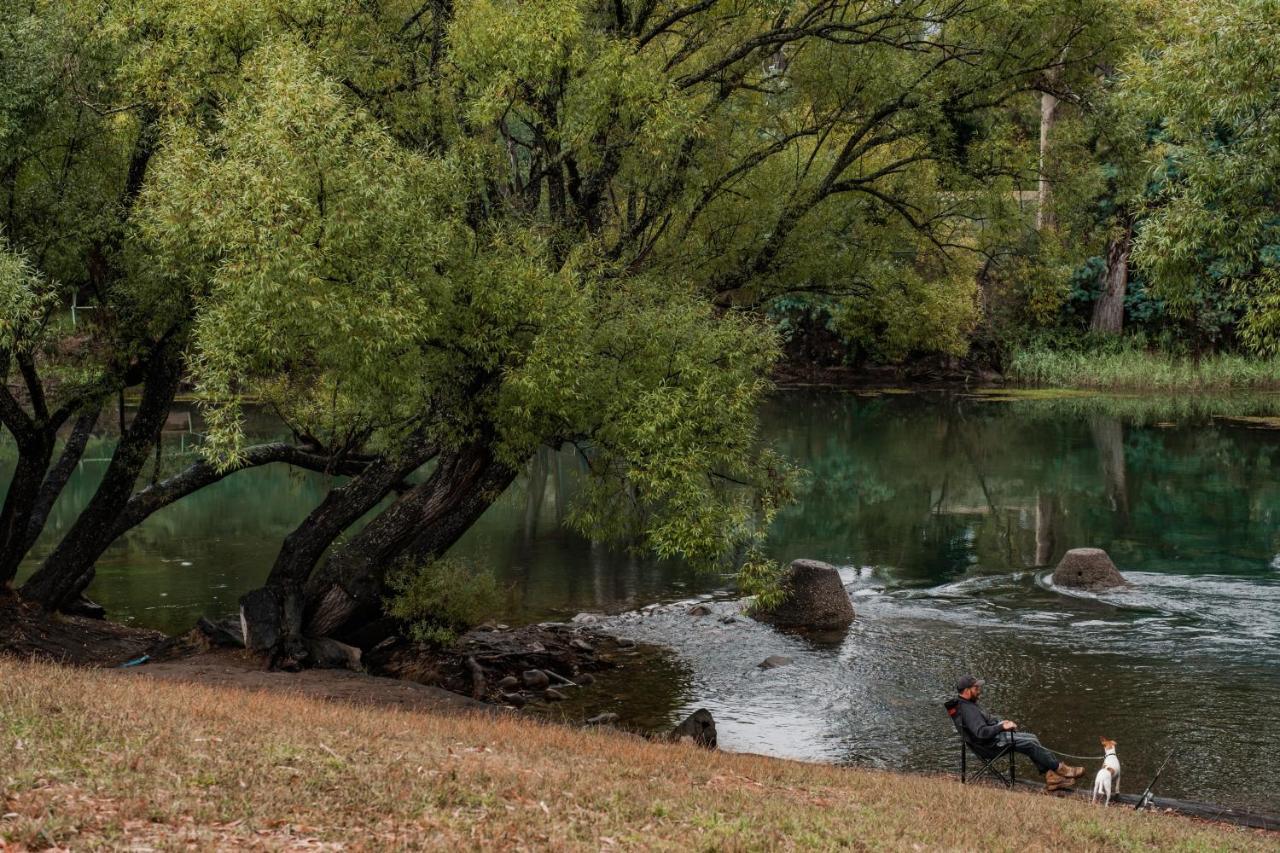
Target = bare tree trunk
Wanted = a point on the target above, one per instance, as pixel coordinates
(1048, 117)
(56, 480)
(421, 525)
(1108, 311)
(69, 569)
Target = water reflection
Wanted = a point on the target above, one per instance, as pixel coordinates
(932, 488)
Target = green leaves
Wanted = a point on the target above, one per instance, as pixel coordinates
(25, 301)
(1214, 93)
(443, 599)
(325, 249)
(525, 223)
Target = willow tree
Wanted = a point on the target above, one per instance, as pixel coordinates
(71, 167)
(437, 236)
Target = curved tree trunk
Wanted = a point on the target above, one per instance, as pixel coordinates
(271, 616)
(422, 524)
(56, 480)
(69, 569)
(1108, 311)
(34, 453)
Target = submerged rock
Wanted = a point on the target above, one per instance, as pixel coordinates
(553, 695)
(1088, 568)
(606, 719)
(699, 610)
(815, 598)
(775, 661)
(509, 683)
(699, 727)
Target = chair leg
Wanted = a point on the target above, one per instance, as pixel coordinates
(990, 768)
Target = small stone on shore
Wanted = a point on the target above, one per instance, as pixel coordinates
(536, 679)
(699, 727)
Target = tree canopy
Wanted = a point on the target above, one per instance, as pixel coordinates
(1212, 96)
(445, 234)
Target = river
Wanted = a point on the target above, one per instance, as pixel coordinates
(942, 510)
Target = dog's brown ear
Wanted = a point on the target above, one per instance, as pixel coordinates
(1102, 740)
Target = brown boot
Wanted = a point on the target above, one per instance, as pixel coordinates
(1065, 769)
(1057, 782)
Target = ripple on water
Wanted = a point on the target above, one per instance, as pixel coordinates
(1147, 666)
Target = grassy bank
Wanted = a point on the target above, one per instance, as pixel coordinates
(1133, 369)
(96, 758)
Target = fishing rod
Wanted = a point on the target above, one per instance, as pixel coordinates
(1146, 798)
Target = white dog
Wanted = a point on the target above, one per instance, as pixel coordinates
(1108, 779)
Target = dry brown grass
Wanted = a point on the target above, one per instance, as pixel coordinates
(94, 759)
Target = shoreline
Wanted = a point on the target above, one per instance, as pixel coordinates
(219, 766)
(236, 670)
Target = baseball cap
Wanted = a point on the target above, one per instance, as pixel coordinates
(967, 681)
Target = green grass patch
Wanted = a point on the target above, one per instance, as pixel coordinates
(1125, 368)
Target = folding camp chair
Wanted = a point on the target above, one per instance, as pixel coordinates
(990, 755)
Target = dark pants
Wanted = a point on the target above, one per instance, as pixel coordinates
(1030, 746)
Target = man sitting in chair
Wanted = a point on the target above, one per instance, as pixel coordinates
(989, 731)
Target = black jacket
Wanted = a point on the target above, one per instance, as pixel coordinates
(981, 726)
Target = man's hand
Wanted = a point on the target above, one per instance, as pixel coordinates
(1008, 725)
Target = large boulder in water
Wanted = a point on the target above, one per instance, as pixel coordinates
(1088, 568)
(815, 599)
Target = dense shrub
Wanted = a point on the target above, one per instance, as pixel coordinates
(442, 599)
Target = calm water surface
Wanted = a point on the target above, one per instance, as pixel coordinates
(942, 511)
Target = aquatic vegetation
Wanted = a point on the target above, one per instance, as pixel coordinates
(1139, 370)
